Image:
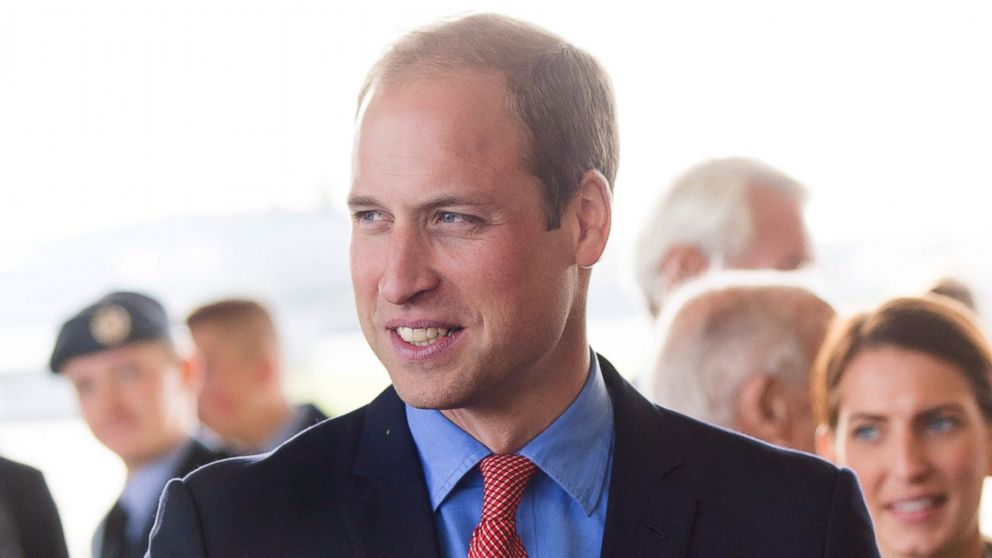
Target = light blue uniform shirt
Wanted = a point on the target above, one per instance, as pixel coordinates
(564, 507)
(142, 491)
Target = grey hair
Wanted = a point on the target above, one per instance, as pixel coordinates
(722, 330)
(706, 207)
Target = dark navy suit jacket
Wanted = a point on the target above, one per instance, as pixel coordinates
(195, 455)
(353, 487)
(31, 512)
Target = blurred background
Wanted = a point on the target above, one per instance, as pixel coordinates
(196, 149)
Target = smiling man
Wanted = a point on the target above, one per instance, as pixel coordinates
(481, 199)
(138, 398)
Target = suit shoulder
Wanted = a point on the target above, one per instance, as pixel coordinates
(18, 475)
(15, 468)
(726, 453)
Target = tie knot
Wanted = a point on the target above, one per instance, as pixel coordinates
(504, 478)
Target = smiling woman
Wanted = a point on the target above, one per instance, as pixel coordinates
(904, 398)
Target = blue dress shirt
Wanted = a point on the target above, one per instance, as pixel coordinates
(564, 506)
(142, 490)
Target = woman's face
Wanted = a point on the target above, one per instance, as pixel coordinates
(911, 429)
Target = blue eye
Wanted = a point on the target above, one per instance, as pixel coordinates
(368, 216)
(942, 424)
(450, 217)
(866, 432)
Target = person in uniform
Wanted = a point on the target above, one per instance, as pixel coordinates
(137, 396)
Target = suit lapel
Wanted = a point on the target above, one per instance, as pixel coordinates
(646, 516)
(195, 455)
(389, 513)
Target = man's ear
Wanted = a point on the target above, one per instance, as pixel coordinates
(190, 373)
(682, 262)
(267, 367)
(763, 409)
(593, 209)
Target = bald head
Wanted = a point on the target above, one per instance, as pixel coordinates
(736, 351)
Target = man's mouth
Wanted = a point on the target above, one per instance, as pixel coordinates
(423, 336)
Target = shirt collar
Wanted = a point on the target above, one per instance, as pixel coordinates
(143, 487)
(290, 426)
(573, 451)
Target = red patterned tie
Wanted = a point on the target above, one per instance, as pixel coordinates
(504, 478)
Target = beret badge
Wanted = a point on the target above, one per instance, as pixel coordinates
(110, 325)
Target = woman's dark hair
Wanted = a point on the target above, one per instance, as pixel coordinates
(940, 328)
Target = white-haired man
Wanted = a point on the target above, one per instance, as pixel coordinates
(735, 350)
(731, 213)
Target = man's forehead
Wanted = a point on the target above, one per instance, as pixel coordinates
(438, 136)
(462, 102)
(112, 359)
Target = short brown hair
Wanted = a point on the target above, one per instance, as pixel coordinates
(941, 329)
(560, 93)
(245, 322)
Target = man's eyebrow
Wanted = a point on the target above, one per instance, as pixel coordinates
(449, 201)
(441, 201)
(362, 201)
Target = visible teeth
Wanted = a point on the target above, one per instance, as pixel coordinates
(421, 336)
(912, 506)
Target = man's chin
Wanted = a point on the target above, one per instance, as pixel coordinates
(426, 397)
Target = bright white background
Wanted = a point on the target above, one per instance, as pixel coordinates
(118, 114)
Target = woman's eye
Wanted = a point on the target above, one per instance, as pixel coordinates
(866, 432)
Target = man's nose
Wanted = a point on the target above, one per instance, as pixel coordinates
(106, 398)
(408, 272)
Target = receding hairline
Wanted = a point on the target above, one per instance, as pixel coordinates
(437, 50)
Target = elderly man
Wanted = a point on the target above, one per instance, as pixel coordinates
(736, 350)
(137, 397)
(481, 200)
(729, 213)
(242, 401)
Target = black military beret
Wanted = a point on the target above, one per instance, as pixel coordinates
(118, 319)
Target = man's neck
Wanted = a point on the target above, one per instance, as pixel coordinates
(265, 422)
(134, 464)
(508, 427)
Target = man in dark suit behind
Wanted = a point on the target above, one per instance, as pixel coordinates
(29, 521)
(242, 406)
(484, 158)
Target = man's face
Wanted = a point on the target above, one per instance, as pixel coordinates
(780, 241)
(228, 381)
(461, 291)
(134, 399)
